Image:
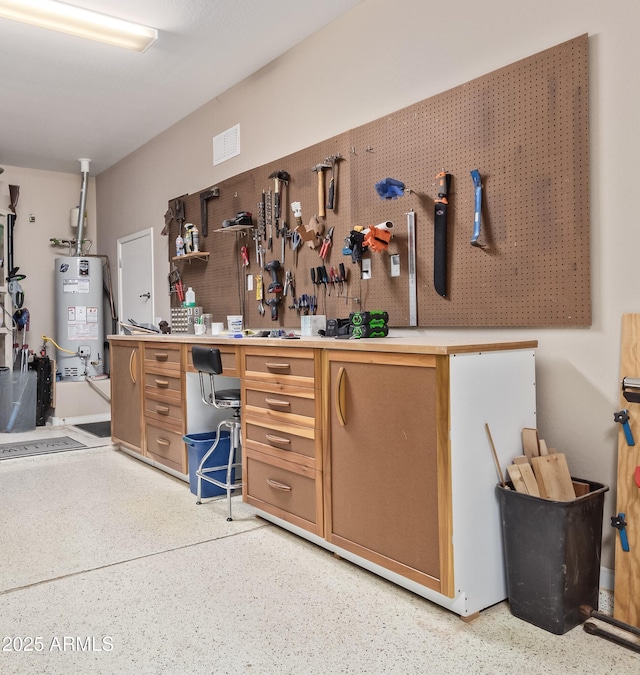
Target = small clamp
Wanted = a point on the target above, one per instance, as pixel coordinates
(619, 523)
(245, 256)
(622, 417)
(326, 243)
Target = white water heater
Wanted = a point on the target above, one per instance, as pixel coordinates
(79, 317)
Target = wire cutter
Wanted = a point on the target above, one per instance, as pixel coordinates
(326, 244)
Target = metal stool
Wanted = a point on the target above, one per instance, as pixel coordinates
(207, 361)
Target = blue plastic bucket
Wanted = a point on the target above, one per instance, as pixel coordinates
(197, 446)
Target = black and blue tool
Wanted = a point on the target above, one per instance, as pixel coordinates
(622, 417)
(620, 524)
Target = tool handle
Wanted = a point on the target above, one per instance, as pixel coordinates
(332, 188)
(628, 434)
(624, 540)
(477, 218)
(321, 212)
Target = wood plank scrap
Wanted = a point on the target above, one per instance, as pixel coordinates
(542, 471)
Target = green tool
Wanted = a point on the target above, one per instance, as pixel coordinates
(362, 318)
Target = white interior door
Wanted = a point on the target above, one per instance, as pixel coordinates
(135, 277)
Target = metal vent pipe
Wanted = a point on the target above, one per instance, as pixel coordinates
(84, 169)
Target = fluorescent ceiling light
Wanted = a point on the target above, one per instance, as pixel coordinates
(80, 22)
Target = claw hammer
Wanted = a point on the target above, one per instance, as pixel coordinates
(320, 169)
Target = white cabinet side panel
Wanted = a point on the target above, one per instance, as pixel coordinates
(497, 388)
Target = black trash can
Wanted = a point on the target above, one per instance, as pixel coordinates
(552, 555)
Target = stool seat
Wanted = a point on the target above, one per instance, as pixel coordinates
(232, 395)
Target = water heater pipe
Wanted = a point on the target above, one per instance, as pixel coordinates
(84, 169)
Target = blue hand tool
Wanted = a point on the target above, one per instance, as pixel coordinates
(477, 218)
(619, 523)
(622, 417)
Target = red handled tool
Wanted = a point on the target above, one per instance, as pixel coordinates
(326, 244)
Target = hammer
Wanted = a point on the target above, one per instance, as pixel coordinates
(278, 177)
(333, 162)
(319, 168)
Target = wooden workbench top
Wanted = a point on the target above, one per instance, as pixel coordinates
(400, 344)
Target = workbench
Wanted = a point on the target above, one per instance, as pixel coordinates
(373, 449)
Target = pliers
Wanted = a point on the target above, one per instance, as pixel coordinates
(326, 244)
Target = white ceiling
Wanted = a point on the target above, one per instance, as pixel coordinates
(62, 97)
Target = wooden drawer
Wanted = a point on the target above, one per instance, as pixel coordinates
(301, 443)
(166, 447)
(164, 412)
(286, 366)
(296, 405)
(161, 384)
(286, 490)
(163, 355)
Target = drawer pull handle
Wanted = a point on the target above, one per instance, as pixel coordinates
(341, 396)
(132, 358)
(278, 366)
(162, 383)
(161, 356)
(277, 403)
(278, 486)
(278, 439)
(163, 441)
(162, 410)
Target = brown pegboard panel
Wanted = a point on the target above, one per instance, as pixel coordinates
(525, 127)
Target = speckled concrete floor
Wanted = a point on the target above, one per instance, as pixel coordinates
(108, 566)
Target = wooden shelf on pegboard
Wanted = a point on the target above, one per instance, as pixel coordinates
(198, 255)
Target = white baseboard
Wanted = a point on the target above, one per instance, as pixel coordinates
(606, 579)
(80, 419)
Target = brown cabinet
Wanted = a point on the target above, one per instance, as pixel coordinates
(383, 499)
(126, 394)
(281, 431)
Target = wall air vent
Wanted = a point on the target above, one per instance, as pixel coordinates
(226, 145)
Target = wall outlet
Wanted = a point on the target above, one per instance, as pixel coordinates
(365, 266)
(394, 262)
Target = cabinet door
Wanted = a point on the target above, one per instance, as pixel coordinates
(383, 460)
(126, 394)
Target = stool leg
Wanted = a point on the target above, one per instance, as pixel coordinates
(204, 459)
(232, 454)
(235, 445)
